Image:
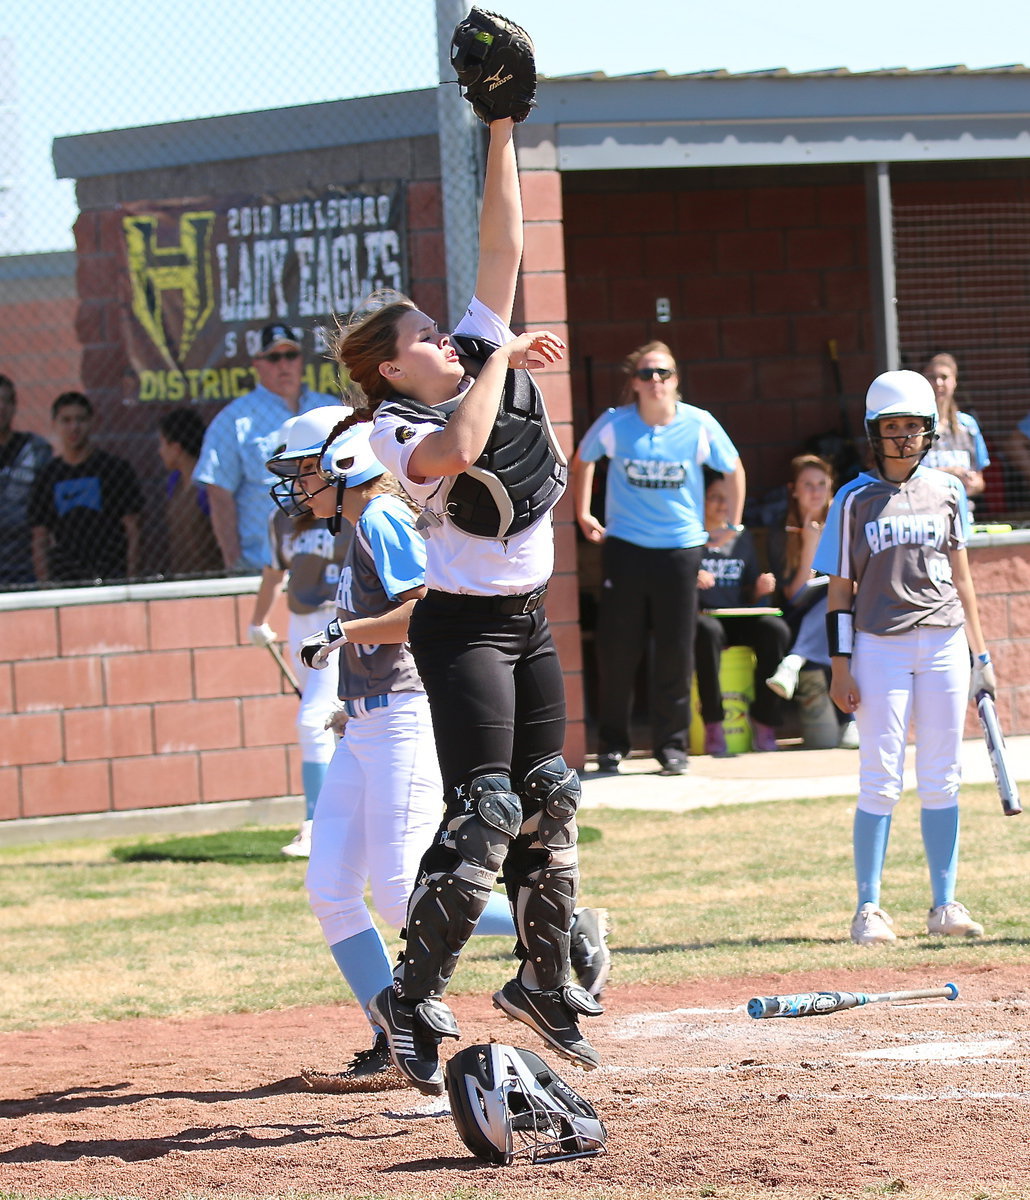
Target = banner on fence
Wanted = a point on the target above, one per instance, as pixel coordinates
(202, 278)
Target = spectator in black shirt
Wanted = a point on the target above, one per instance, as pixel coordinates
(85, 505)
(21, 457)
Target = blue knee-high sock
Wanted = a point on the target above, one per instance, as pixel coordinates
(940, 840)
(363, 962)
(496, 920)
(870, 843)
(312, 775)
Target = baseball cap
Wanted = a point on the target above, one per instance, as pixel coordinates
(278, 335)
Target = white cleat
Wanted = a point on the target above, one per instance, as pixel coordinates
(300, 847)
(871, 926)
(952, 920)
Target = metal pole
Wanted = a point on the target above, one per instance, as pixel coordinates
(881, 237)
(461, 166)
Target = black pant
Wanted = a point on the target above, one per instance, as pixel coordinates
(647, 597)
(495, 690)
(770, 638)
(497, 699)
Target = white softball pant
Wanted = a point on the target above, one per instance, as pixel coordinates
(377, 812)
(318, 689)
(920, 676)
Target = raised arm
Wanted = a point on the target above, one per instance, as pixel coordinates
(500, 223)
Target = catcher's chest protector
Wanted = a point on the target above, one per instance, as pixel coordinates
(522, 472)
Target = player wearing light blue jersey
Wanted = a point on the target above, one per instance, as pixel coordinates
(657, 447)
(902, 620)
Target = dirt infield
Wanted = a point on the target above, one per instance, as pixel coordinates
(698, 1098)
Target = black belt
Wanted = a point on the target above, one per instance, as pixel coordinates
(505, 606)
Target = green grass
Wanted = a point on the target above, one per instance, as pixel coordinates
(103, 930)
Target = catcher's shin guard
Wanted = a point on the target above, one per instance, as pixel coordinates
(543, 871)
(446, 903)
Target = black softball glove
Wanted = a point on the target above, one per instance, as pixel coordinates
(493, 59)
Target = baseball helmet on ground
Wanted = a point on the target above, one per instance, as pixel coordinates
(507, 1103)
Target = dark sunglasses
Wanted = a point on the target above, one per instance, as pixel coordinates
(282, 356)
(648, 373)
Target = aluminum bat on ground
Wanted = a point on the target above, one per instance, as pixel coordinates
(817, 1004)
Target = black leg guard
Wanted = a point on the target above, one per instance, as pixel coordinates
(455, 879)
(542, 871)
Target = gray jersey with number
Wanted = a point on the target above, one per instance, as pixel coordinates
(893, 541)
(386, 558)
(313, 558)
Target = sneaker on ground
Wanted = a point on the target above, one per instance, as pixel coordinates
(849, 736)
(672, 762)
(413, 1032)
(715, 740)
(368, 1071)
(588, 948)
(952, 920)
(552, 1014)
(300, 847)
(871, 926)
(784, 680)
(608, 763)
(763, 737)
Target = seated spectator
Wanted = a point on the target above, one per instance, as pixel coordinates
(192, 549)
(959, 447)
(729, 579)
(21, 457)
(803, 594)
(85, 504)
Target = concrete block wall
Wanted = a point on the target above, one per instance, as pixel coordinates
(115, 703)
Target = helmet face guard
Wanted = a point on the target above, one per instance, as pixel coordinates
(507, 1103)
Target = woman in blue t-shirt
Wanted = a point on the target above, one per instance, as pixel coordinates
(651, 547)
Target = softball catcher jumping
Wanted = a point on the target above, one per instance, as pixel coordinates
(901, 623)
(464, 428)
(380, 799)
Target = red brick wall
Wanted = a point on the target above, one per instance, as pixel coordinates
(759, 278)
(38, 346)
(541, 304)
(138, 704)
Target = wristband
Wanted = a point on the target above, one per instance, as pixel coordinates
(734, 528)
(335, 633)
(840, 633)
(984, 659)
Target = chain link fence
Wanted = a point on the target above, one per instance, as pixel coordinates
(151, 237)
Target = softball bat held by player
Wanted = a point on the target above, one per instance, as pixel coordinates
(817, 1004)
(1008, 789)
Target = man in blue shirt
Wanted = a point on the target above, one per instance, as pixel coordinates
(241, 439)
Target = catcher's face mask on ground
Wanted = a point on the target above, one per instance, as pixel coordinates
(507, 1103)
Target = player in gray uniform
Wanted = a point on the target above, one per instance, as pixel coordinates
(901, 623)
(308, 556)
(380, 801)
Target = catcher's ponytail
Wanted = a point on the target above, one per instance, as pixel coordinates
(367, 339)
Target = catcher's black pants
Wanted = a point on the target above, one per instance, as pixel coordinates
(648, 597)
(497, 700)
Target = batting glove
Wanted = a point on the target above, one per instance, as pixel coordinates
(314, 651)
(262, 635)
(982, 679)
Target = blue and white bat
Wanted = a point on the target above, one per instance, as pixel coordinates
(1008, 789)
(818, 1004)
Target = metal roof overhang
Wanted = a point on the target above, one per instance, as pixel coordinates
(780, 120)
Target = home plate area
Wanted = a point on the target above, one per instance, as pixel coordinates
(930, 1097)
